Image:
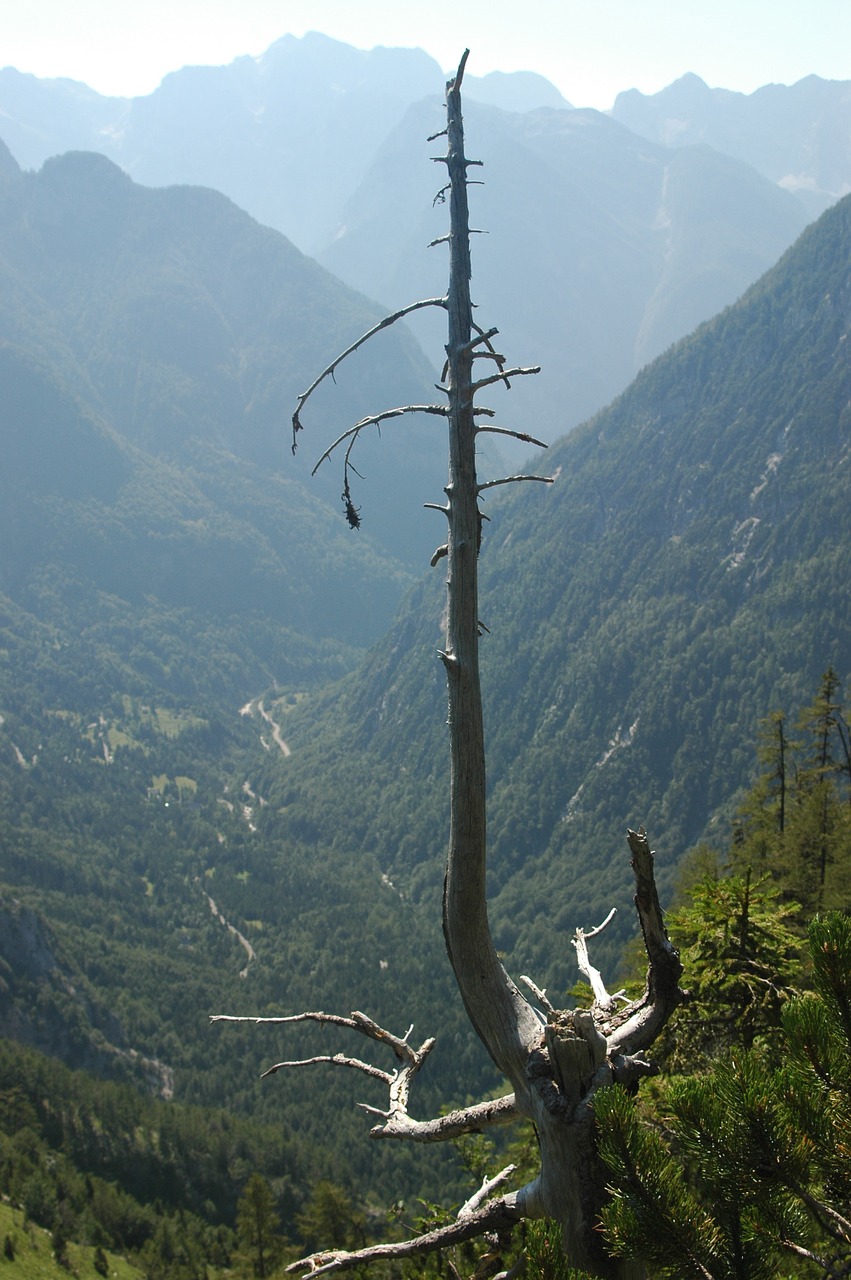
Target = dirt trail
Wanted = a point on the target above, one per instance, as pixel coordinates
(276, 729)
(243, 941)
(257, 703)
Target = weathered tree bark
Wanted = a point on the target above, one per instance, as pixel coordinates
(554, 1069)
(502, 1018)
(555, 1060)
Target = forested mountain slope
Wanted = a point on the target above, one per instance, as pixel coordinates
(685, 575)
(158, 570)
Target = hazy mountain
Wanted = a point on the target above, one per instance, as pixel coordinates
(513, 91)
(798, 135)
(232, 127)
(626, 245)
(601, 248)
(190, 330)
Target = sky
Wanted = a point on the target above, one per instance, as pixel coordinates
(590, 49)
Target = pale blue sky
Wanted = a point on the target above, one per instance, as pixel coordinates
(591, 49)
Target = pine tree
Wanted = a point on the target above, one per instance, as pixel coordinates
(795, 822)
(742, 955)
(329, 1218)
(751, 1168)
(818, 832)
(257, 1224)
(762, 817)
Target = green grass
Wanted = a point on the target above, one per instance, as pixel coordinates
(33, 1256)
(171, 725)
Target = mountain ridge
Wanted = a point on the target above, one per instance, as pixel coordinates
(329, 186)
(792, 134)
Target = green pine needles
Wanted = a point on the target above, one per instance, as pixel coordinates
(746, 1173)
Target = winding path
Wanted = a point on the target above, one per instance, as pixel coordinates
(243, 941)
(248, 710)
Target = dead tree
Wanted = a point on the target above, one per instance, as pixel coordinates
(555, 1060)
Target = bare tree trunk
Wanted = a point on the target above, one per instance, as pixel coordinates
(552, 1070)
(502, 1018)
(556, 1060)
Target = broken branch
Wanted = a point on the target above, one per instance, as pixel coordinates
(516, 435)
(501, 377)
(500, 1215)
(638, 1025)
(338, 1060)
(329, 370)
(374, 419)
(455, 1124)
(492, 484)
(594, 977)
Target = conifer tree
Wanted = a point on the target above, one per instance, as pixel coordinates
(761, 1175)
(795, 822)
(739, 947)
(257, 1224)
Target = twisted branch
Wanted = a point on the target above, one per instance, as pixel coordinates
(492, 484)
(503, 377)
(374, 419)
(397, 1123)
(500, 1215)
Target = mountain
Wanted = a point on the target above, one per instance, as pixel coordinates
(685, 576)
(184, 331)
(162, 562)
(513, 91)
(169, 589)
(231, 127)
(796, 135)
(625, 246)
(163, 856)
(190, 825)
(600, 248)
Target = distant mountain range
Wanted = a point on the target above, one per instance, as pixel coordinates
(601, 248)
(286, 135)
(796, 135)
(620, 247)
